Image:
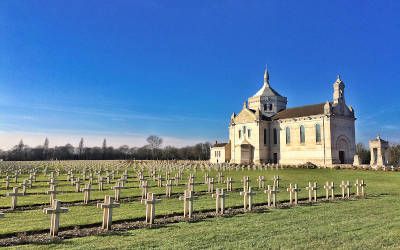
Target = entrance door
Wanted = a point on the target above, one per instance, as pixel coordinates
(275, 158)
(341, 157)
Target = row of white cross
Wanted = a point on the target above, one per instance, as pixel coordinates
(109, 203)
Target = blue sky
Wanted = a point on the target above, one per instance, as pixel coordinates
(126, 69)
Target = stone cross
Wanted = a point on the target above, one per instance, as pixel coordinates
(24, 185)
(86, 193)
(78, 183)
(261, 181)
(219, 200)
(160, 180)
(125, 175)
(7, 182)
(14, 196)
(360, 185)
(210, 185)
(192, 177)
(141, 176)
(72, 180)
(312, 191)
(296, 190)
(190, 185)
(329, 190)
(229, 183)
(52, 182)
(55, 212)
(187, 203)
(108, 177)
(69, 176)
(150, 202)
(107, 207)
(16, 177)
(117, 191)
(145, 188)
(220, 177)
(141, 180)
(90, 178)
(247, 199)
(168, 188)
(122, 181)
(345, 187)
(52, 192)
(246, 183)
(293, 194)
(206, 176)
(176, 179)
(32, 176)
(276, 180)
(271, 192)
(101, 182)
(31, 179)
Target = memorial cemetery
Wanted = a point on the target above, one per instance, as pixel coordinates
(60, 201)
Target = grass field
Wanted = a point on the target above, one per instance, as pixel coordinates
(364, 223)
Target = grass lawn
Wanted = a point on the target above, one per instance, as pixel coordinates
(372, 223)
(366, 223)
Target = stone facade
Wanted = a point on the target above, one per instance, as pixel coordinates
(220, 153)
(265, 131)
(379, 152)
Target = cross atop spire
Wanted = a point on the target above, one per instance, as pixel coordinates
(266, 76)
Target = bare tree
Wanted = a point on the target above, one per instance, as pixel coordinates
(155, 143)
(104, 148)
(20, 145)
(80, 148)
(104, 144)
(46, 144)
(45, 148)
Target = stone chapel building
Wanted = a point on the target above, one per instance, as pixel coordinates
(265, 131)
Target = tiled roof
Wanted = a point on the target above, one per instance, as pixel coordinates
(308, 110)
(266, 90)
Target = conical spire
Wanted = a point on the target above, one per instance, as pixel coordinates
(338, 79)
(266, 76)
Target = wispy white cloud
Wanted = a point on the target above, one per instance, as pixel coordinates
(121, 114)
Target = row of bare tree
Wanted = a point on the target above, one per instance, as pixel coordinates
(153, 150)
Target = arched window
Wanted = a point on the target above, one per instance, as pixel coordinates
(302, 135)
(265, 136)
(265, 106)
(275, 136)
(249, 133)
(287, 135)
(317, 133)
(270, 107)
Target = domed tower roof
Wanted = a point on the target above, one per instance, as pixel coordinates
(266, 89)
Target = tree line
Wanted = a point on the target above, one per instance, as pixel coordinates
(151, 151)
